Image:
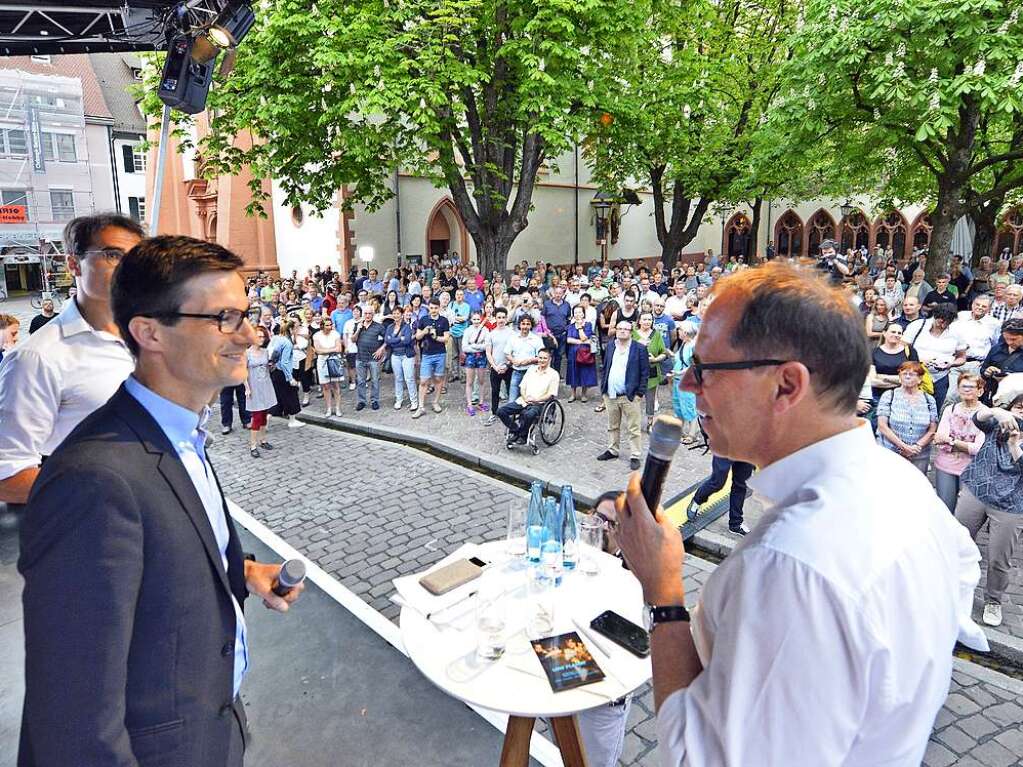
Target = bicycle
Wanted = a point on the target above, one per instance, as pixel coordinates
(43, 295)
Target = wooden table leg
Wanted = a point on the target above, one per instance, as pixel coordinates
(566, 735)
(515, 752)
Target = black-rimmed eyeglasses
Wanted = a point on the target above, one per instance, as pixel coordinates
(228, 320)
(109, 254)
(698, 367)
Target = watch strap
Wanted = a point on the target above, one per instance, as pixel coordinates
(667, 614)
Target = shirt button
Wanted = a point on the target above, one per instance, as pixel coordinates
(227, 649)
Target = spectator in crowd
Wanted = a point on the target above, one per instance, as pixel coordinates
(401, 345)
(281, 352)
(938, 348)
(907, 417)
(957, 439)
(557, 315)
(720, 467)
(458, 312)
(371, 348)
(582, 358)
(1002, 276)
(999, 308)
(1005, 357)
(522, 351)
(886, 360)
(940, 295)
(432, 334)
(893, 295)
(46, 314)
(539, 384)
(228, 396)
(652, 340)
(911, 318)
(992, 492)
(72, 365)
(1013, 305)
(867, 301)
(474, 349)
(497, 357)
(259, 391)
(330, 365)
(877, 320)
(918, 287)
(624, 382)
(303, 360)
(348, 344)
(684, 402)
(977, 330)
(9, 327)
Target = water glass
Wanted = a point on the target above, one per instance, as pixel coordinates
(540, 591)
(591, 540)
(516, 531)
(491, 617)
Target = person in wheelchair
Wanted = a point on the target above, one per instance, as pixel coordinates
(538, 385)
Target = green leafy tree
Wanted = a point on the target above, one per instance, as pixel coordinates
(916, 101)
(475, 95)
(687, 111)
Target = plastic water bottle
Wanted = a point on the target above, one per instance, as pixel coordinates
(569, 532)
(534, 523)
(551, 554)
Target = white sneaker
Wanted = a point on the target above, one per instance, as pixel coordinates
(418, 412)
(305, 401)
(351, 386)
(992, 614)
(295, 424)
(397, 406)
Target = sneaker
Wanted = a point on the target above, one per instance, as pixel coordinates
(418, 412)
(351, 386)
(483, 406)
(226, 430)
(634, 464)
(470, 410)
(375, 406)
(266, 445)
(295, 424)
(436, 408)
(254, 452)
(607, 455)
(491, 420)
(305, 401)
(693, 511)
(414, 406)
(360, 406)
(397, 406)
(992, 614)
(740, 530)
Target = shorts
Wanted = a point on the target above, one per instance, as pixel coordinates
(432, 366)
(476, 360)
(350, 358)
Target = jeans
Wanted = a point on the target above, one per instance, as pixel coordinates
(947, 487)
(741, 472)
(363, 370)
(560, 353)
(404, 378)
(940, 392)
(602, 730)
(495, 386)
(513, 387)
(227, 397)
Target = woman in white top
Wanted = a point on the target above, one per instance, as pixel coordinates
(939, 350)
(351, 349)
(327, 344)
(259, 392)
(474, 347)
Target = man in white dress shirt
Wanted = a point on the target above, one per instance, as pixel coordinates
(71, 366)
(826, 636)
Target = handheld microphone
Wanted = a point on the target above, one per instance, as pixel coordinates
(292, 573)
(665, 436)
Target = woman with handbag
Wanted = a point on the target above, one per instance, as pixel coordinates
(330, 365)
(259, 391)
(653, 340)
(582, 362)
(281, 352)
(474, 360)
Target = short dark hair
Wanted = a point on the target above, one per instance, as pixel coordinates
(790, 314)
(829, 244)
(80, 232)
(944, 311)
(499, 311)
(151, 277)
(434, 301)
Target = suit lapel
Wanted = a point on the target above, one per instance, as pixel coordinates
(173, 471)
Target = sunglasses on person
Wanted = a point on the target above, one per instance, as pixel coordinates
(698, 366)
(228, 321)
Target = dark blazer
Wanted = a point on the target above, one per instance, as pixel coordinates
(129, 626)
(637, 370)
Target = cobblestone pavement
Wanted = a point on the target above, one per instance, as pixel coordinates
(367, 511)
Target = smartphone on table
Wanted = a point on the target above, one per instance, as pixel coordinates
(622, 632)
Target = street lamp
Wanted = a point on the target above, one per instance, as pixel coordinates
(723, 215)
(602, 203)
(366, 253)
(846, 209)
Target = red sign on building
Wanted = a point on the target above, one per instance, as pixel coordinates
(13, 214)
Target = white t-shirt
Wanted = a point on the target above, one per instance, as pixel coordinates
(523, 348)
(826, 636)
(498, 343)
(324, 342)
(936, 349)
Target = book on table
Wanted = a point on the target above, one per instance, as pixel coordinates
(567, 661)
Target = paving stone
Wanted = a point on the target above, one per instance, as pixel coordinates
(961, 705)
(1012, 740)
(993, 754)
(937, 755)
(1005, 714)
(957, 740)
(977, 726)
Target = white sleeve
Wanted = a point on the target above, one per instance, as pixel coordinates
(30, 390)
(786, 681)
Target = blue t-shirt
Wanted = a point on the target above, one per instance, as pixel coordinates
(461, 310)
(557, 316)
(666, 326)
(475, 299)
(340, 316)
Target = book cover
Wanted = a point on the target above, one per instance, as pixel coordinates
(567, 661)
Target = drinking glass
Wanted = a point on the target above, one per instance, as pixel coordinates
(516, 531)
(591, 540)
(540, 591)
(491, 617)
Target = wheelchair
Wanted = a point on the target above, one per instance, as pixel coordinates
(550, 426)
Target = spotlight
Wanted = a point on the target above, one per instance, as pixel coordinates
(185, 82)
(231, 25)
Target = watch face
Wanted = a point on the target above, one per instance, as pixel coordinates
(648, 617)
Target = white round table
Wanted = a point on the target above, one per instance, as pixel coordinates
(516, 684)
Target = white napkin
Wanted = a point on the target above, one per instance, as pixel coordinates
(411, 594)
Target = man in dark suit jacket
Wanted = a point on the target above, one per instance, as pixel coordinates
(135, 641)
(623, 384)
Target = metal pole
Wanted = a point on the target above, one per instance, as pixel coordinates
(397, 212)
(161, 161)
(575, 260)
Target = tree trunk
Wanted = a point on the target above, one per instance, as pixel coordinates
(944, 223)
(682, 228)
(754, 233)
(492, 253)
(985, 222)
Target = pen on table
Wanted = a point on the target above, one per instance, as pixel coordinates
(470, 595)
(588, 636)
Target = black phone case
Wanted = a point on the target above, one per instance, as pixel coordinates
(638, 647)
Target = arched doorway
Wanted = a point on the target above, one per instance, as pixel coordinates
(788, 235)
(446, 236)
(855, 231)
(738, 242)
(820, 227)
(890, 233)
(1010, 233)
(922, 232)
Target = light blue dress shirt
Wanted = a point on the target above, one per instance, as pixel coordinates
(184, 430)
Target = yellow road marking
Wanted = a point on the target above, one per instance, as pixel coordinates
(677, 511)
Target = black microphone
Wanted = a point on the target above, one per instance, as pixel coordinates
(292, 573)
(665, 436)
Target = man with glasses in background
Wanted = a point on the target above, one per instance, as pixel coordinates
(70, 366)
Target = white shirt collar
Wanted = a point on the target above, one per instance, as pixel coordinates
(71, 320)
(777, 482)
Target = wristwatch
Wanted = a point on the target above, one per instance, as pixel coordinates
(653, 615)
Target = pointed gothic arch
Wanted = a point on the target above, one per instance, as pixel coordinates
(856, 230)
(820, 227)
(445, 232)
(892, 231)
(788, 235)
(738, 238)
(921, 232)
